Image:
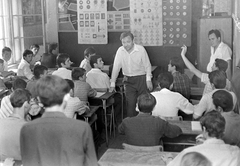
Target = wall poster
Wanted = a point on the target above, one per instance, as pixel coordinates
(92, 21)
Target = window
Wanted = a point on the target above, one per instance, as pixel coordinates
(21, 25)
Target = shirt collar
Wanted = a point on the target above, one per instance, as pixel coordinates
(134, 49)
(96, 69)
(143, 115)
(53, 115)
(213, 141)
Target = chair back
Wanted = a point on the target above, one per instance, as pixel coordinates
(142, 148)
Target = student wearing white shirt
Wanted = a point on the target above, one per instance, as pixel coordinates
(88, 53)
(64, 63)
(136, 67)
(24, 66)
(214, 148)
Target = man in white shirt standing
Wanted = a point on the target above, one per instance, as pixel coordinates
(134, 62)
(219, 50)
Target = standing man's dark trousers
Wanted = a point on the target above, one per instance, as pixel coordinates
(134, 86)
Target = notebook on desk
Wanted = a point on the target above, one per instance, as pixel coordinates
(100, 94)
(196, 126)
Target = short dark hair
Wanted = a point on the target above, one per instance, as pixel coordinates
(27, 52)
(51, 90)
(61, 58)
(77, 72)
(34, 46)
(165, 80)
(216, 32)
(89, 51)
(146, 102)
(223, 99)
(19, 83)
(178, 63)
(70, 84)
(221, 64)
(94, 60)
(19, 96)
(52, 46)
(195, 159)
(38, 70)
(214, 123)
(6, 49)
(125, 34)
(218, 79)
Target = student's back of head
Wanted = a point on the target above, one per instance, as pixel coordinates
(77, 72)
(39, 70)
(146, 102)
(19, 84)
(214, 123)
(51, 47)
(165, 80)
(89, 51)
(218, 79)
(19, 97)
(51, 90)
(221, 64)
(195, 159)
(223, 99)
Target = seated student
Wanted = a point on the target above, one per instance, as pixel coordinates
(10, 127)
(145, 129)
(64, 63)
(214, 148)
(195, 159)
(49, 59)
(24, 66)
(218, 65)
(181, 82)
(82, 89)
(88, 53)
(4, 73)
(34, 48)
(6, 55)
(6, 108)
(95, 77)
(218, 81)
(168, 102)
(58, 140)
(223, 100)
(74, 104)
(38, 71)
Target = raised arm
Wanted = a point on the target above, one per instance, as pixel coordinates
(189, 65)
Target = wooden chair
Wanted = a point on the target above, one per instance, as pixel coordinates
(142, 148)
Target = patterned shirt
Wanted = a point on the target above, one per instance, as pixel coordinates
(181, 84)
(83, 90)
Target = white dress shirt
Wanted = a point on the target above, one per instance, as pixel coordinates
(133, 64)
(223, 51)
(63, 73)
(98, 79)
(219, 153)
(169, 103)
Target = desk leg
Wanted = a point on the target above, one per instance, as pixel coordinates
(105, 119)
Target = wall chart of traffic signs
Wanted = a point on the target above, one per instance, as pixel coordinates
(92, 21)
(176, 22)
(146, 22)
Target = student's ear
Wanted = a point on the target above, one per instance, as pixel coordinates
(219, 109)
(95, 65)
(62, 64)
(171, 87)
(213, 86)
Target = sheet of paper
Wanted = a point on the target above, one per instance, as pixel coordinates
(196, 126)
(99, 94)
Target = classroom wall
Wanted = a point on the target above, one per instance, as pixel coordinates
(159, 55)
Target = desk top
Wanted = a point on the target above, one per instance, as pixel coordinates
(186, 127)
(120, 157)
